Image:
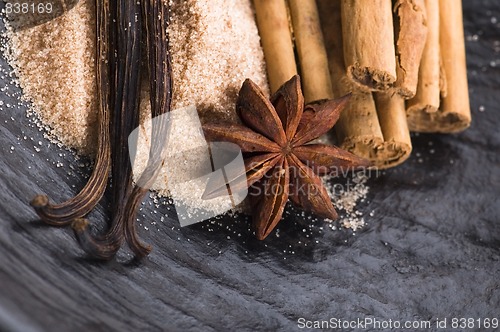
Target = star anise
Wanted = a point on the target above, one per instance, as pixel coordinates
(279, 162)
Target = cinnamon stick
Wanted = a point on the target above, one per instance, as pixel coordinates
(369, 52)
(451, 38)
(453, 114)
(427, 98)
(392, 116)
(315, 76)
(276, 38)
(382, 138)
(410, 22)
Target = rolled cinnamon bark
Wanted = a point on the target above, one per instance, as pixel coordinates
(312, 57)
(382, 138)
(427, 98)
(454, 112)
(276, 38)
(410, 25)
(358, 128)
(392, 116)
(367, 28)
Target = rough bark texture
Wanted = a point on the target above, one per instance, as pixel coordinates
(410, 20)
(276, 38)
(430, 79)
(375, 134)
(454, 114)
(369, 53)
(431, 249)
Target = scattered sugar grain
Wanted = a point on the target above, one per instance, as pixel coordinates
(346, 201)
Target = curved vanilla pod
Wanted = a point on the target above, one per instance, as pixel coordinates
(156, 19)
(128, 197)
(80, 205)
(125, 40)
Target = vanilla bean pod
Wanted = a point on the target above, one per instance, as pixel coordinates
(125, 38)
(80, 205)
(156, 17)
(128, 198)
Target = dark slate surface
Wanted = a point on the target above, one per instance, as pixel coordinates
(430, 250)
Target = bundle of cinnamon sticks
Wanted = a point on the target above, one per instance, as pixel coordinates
(403, 60)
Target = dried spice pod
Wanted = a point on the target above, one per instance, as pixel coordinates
(125, 39)
(280, 164)
(156, 18)
(64, 213)
(153, 17)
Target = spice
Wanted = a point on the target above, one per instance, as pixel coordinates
(126, 36)
(380, 135)
(369, 52)
(410, 21)
(454, 111)
(120, 27)
(311, 52)
(431, 81)
(156, 17)
(274, 138)
(274, 30)
(64, 213)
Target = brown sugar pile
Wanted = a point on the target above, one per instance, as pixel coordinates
(215, 46)
(55, 66)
